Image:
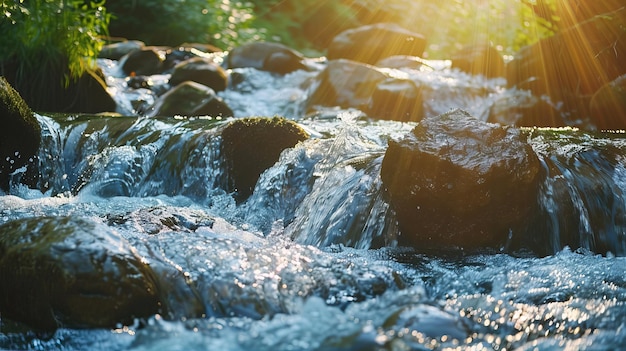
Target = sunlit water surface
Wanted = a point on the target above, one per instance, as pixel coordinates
(299, 266)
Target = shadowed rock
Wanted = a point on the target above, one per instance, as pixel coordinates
(252, 145)
(455, 181)
(71, 272)
(201, 71)
(20, 135)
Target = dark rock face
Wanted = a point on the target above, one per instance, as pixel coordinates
(190, 99)
(351, 84)
(455, 181)
(271, 57)
(371, 43)
(252, 145)
(608, 105)
(480, 59)
(201, 71)
(143, 62)
(20, 136)
(62, 271)
(523, 109)
(575, 61)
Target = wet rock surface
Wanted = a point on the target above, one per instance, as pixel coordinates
(251, 145)
(455, 181)
(63, 271)
(189, 99)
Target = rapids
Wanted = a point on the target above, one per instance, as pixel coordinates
(309, 261)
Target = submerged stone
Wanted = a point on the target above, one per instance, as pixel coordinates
(72, 272)
(455, 181)
(252, 145)
(20, 135)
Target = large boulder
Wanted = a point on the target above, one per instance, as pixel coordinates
(190, 99)
(265, 56)
(20, 136)
(371, 43)
(608, 105)
(252, 145)
(72, 272)
(200, 70)
(455, 181)
(350, 84)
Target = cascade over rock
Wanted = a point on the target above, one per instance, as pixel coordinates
(71, 272)
(371, 43)
(20, 135)
(455, 181)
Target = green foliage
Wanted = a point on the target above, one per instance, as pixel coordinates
(37, 36)
(224, 23)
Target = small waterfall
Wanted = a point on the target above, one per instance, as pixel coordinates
(582, 198)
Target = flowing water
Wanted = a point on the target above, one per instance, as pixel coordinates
(308, 262)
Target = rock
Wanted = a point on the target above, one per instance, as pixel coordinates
(271, 57)
(350, 84)
(20, 136)
(397, 100)
(576, 61)
(116, 51)
(457, 182)
(608, 105)
(479, 59)
(86, 94)
(326, 20)
(371, 43)
(400, 62)
(346, 84)
(201, 71)
(190, 99)
(143, 62)
(72, 272)
(252, 145)
(523, 109)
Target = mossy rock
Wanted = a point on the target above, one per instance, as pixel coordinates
(252, 145)
(72, 272)
(20, 135)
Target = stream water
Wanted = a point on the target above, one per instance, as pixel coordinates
(308, 262)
